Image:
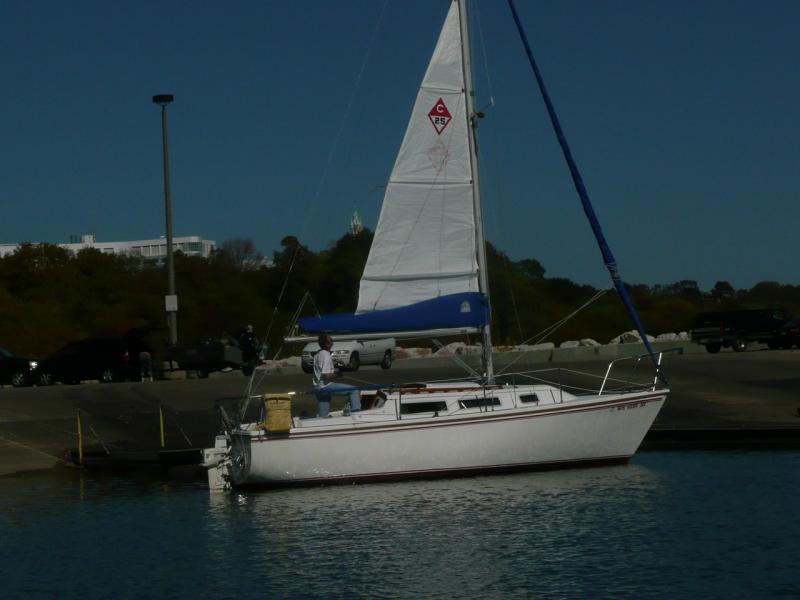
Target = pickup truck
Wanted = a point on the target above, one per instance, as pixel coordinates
(736, 328)
(349, 355)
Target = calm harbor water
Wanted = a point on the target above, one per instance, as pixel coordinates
(668, 525)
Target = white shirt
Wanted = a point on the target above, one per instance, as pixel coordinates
(323, 365)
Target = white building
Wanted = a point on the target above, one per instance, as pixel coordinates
(356, 226)
(156, 249)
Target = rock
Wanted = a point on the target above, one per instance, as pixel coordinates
(497, 349)
(445, 352)
(272, 365)
(630, 337)
(584, 343)
(451, 349)
(535, 347)
(412, 352)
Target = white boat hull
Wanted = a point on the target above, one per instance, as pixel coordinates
(582, 431)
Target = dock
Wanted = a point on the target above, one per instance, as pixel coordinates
(748, 399)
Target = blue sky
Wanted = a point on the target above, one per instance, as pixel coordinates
(682, 115)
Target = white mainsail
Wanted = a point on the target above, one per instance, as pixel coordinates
(425, 242)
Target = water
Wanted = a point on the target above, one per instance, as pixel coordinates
(668, 525)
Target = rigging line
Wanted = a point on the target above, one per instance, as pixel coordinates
(477, 14)
(495, 181)
(262, 352)
(577, 180)
(315, 198)
(558, 324)
(553, 328)
(293, 321)
(183, 433)
(351, 100)
(493, 178)
(306, 297)
(459, 361)
(97, 437)
(507, 269)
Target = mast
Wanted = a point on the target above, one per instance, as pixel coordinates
(483, 277)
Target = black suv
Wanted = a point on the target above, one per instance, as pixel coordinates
(16, 370)
(788, 336)
(106, 359)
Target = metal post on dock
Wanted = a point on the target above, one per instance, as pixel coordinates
(161, 423)
(171, 299)
(80, 438)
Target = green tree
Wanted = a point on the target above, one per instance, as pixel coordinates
(723, 292)
(240, 253)
(342, 266)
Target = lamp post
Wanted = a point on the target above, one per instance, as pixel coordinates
(171, 300)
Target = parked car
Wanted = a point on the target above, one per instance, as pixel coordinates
(106, 359)
(16, 370)
(349, 355)
(788, 335)
(211, 355)
(736, 328)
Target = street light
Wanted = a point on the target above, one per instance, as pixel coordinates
(171, 300)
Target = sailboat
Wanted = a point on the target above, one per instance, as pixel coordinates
(426, 277)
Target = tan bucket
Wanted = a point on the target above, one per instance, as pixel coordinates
(279, 413)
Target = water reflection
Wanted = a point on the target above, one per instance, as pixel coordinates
(429, 537)
(693, 524)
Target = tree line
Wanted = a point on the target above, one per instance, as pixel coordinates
(49, 296)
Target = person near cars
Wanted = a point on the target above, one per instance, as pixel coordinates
(145, 365)
(323, 375)
(227, 339)
(248, 345)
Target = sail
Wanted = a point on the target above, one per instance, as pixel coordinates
(422, 271)
(425, 242)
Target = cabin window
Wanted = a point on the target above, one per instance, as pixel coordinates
(479, 402)
(421, 407)
(529, 398)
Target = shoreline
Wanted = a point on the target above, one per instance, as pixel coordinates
(749, 399)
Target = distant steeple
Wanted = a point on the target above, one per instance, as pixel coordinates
(356, 226)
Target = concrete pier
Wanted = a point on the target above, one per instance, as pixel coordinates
(748, 392)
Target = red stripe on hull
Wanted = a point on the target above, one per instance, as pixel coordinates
(479, 418)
